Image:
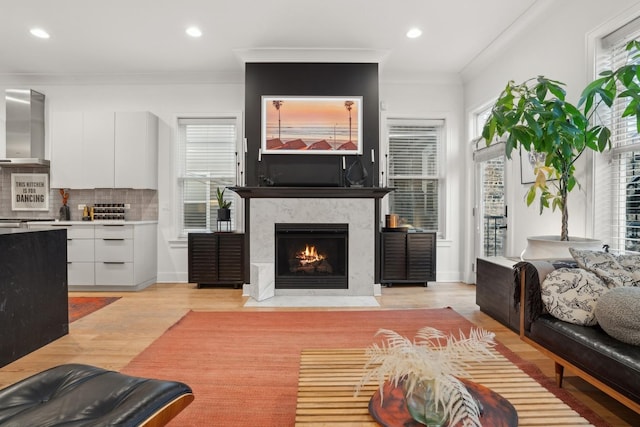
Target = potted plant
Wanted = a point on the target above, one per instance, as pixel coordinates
(537, 118)
(224, 213)
(428, 369)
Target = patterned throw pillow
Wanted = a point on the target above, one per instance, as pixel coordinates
(607, 267)
(630, 262)
(571, 294)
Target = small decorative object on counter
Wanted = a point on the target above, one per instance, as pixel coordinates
(65, 213)
(392, 221)
(109, 211)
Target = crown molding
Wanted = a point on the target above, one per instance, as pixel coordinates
(212, 77)
(312, 55)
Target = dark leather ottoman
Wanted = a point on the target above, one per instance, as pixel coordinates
(81, 395)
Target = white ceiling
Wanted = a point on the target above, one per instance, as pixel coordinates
(126, 38)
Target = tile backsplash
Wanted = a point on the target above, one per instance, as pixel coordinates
(143, 204)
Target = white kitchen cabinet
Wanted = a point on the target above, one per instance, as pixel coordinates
(145, 254)
(136, 150)
(126, 255)
(109, 256)
(97, 154)
(80, 252)
(104, 150)
(66, 151)
(82, 150)
(114, 255)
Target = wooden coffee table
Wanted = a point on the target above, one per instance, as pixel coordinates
(327, 380)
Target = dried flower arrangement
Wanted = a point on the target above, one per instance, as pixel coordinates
(431, 356)
(65, 196)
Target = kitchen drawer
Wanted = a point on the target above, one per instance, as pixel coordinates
(114, 274)
(80, 250)
(114, 250)
(73, 231)
(80, 232)
(81, 273)
(115, 231)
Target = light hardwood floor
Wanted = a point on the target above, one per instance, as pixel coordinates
(112, 336)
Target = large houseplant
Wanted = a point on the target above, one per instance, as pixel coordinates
(538, 119)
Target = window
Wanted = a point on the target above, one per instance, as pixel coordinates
(207, 149)
(415, 171)
(618, 172)
(490, 191)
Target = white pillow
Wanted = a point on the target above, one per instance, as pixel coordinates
(571, 294)
(606, 266)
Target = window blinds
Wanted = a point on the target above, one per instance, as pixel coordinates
(617, 182)
(415, 171)
(207, 148)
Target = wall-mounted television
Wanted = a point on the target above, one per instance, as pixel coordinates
(311, 125)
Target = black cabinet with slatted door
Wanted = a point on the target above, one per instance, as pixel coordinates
(408, 258)
(216, 259)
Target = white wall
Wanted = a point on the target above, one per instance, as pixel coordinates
(439, 99)
(166, 101)
(553, 44)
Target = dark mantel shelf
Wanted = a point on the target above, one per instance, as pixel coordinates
(311, 192)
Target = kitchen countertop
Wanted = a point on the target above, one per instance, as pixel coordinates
(16, 230)
(97, 222)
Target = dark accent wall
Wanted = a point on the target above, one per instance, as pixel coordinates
(309, 79)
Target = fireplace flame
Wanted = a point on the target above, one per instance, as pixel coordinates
(309, 255)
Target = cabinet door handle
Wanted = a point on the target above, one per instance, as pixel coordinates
(113, 239)
(62, 225)
(113, 225)
(113, 262)
(68, 240)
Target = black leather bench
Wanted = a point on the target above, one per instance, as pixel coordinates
(588, 351)
(81, 395)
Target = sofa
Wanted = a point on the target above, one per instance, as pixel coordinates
(589, 352)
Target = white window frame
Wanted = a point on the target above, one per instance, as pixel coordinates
(607, 219)
(442, 155)
(177, 166)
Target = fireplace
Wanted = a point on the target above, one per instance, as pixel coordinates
(311, 256)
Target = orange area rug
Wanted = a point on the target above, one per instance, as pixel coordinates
(243, 366)
(81, 306)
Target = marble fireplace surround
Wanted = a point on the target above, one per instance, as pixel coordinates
(358, 207)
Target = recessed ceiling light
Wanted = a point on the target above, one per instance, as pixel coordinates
(40, 33)
(414, 33)
(194, 31)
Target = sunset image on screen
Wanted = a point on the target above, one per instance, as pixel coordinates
(311, 124)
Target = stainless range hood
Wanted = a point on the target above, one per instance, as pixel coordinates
(25, 129)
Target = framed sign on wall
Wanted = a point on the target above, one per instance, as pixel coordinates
(29, 192)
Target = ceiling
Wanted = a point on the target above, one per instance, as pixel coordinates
(99, 39)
